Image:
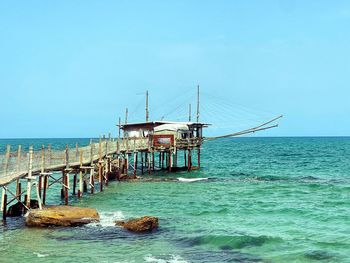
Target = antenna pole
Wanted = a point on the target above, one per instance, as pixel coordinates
(198, 103)
(126, 116)
(189, 112)
(147, 112)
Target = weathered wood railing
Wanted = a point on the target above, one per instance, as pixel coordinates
(15, 164)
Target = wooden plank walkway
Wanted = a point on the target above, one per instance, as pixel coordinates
(15, 165)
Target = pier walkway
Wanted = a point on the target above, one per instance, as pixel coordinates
(17, 164)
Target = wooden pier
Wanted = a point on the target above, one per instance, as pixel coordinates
(144, 148)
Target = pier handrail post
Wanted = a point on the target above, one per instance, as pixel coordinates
(77, 152)
(42, 159)
(91, 152)
(29, 178)
(67, 156)
(7, 160)
(18, 183)
(106, 141)
(19, 153)
(49, 150)
(80, 191)
(100, 149)
(66, 176)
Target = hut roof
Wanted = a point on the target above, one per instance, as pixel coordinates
(152, 124)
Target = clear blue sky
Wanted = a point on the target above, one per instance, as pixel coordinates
(69, 68)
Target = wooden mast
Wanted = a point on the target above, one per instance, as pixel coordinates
(147, 110)
(198, 103)
(126, 116)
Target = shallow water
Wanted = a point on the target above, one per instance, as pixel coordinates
(265, 200)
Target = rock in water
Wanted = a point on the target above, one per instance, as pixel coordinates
(61, 216)
(18, 208)
(142, 224)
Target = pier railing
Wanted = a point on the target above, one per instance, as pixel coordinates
(17, 164)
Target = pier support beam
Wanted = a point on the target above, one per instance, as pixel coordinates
(100, 176)
(189, 160)
(135, 164)
(74, 183)
(92, 181)
(199, 157)
(4, 204)
(45, 188)
(18, 189)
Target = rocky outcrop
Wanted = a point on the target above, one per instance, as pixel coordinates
(18, 208)
(61, 216)
(139, 225)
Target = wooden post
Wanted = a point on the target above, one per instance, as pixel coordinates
(4, 208)
(44, 191)
(167, 160)
(148, 160)
(7, 156)
(189, 160)
(142, 162)
(135, 164)
(185, 157)
(49, 151)
(74, 183)
(175, 158)
(197, 103)
(76, 152)
(100, 175)
(80, 191)
(152, 160)
(170, 160)
(92, 181)
(18, 189)
(126, 163)
(18, 183)
(199, 157)
(66, 180)
(42, 169)
(63, 181)
(29, 179)
(65, 177)
(39, 184)
(3, 192)
(118, 142)
(100, 180)
(19, 155)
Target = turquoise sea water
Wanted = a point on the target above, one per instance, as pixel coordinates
(266, 200)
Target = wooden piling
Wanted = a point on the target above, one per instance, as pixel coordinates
(135, 164)
(74, 183)
(189, 160)
(18, 190)
(29, 178)
(92, 181)
(45, 187)
(100, 179)
(80, 191)
(66, 180)
(39, 185)
(4, 211)
(199, 157)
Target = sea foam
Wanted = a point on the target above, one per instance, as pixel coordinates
(169, 259)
